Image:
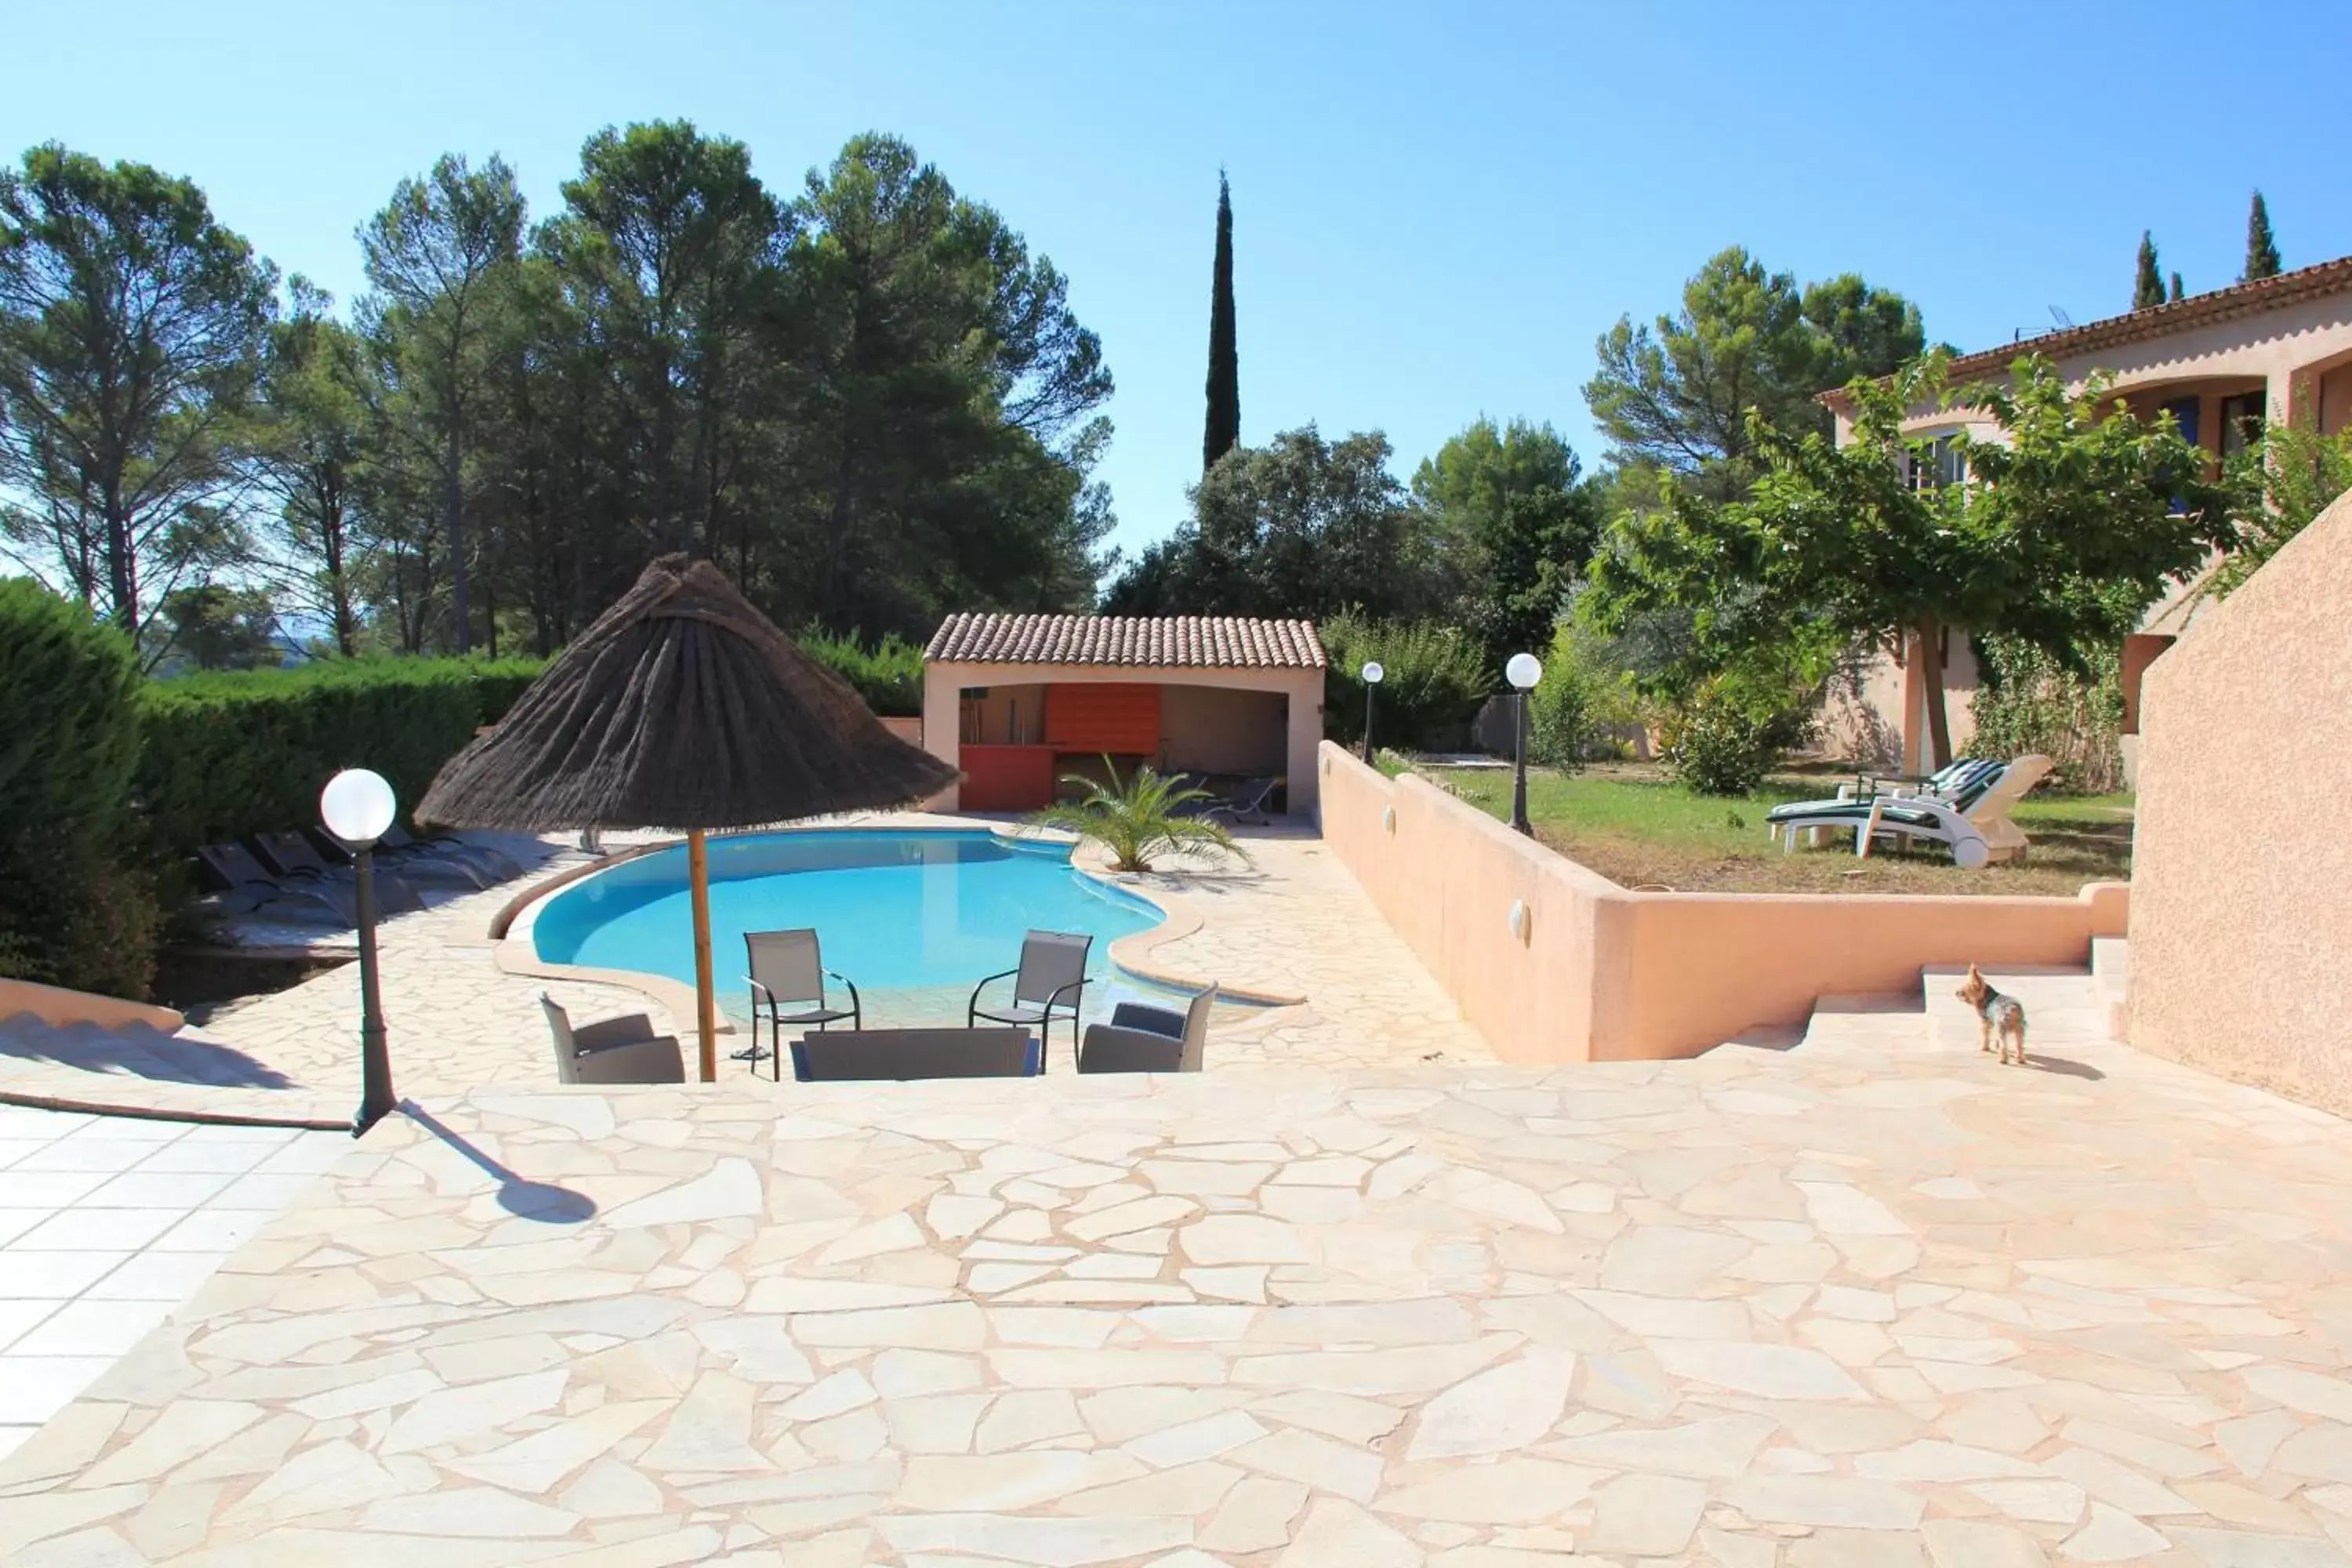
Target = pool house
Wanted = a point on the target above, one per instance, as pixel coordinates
(1017, 702)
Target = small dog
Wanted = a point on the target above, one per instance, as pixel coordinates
(1998, 1018)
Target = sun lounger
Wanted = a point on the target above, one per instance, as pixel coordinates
(1972, 820)
(1246, 801)
(1144, 1038)
(252, 889)
(1050, 983)
(854, 1056)
(499, 866)
(611, 1050)
(415, 863)
(296, 859)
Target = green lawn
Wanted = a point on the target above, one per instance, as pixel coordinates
(1636, 826)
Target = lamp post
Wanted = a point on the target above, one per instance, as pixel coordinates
(1372, 674)
(1522, 671)
(357, 806)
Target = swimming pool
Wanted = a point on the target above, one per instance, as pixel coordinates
(915, 919)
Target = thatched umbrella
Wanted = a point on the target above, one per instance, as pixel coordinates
(682, 706)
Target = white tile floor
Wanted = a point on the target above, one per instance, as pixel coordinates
(107, 1223)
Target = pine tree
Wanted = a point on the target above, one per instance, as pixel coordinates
(2177, 296)
(2147, 288)
(1224, 429)
(2262, 250)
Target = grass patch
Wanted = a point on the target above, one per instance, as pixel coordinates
(1637, 828)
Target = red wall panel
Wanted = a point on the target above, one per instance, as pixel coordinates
(1115, 718)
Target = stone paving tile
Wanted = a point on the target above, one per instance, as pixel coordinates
(88, 1269)
(1876, 1300)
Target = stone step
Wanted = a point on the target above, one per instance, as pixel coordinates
(2111, 982)
(2060, 1000)
(1874, 1021)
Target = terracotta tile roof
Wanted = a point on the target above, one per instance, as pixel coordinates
(2228, 304)
(1227, 642)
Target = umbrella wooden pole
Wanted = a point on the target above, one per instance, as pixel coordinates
(705, 996)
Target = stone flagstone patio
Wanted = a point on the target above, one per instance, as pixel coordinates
(1875, 1300)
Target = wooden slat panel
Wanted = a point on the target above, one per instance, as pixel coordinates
(1120, 719)
(1006, 778)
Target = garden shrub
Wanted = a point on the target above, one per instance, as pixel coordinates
(230, 753)
(2029, 701)
(1725, 734)
(1586, 701)
(75, 908)
(1433, 680)
(888, 676)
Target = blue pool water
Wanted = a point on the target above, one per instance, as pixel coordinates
(915, 919)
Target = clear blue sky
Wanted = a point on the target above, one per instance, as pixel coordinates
(1438, 206)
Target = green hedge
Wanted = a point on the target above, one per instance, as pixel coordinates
(889, 675)
(231, 753)
(75, 908)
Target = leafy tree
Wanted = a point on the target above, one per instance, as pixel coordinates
(309, 446)
(2276, 486)
(1676, 395)
(2069, 515)
(1516, 526)
(671, 244)
(2176, 295)
(440, 257)
(2262, 249)
(1225, 428)
(1299, 527)
(1862, 330)
(2147, 284)
(215, 626)
(945, 418)
(131, 330)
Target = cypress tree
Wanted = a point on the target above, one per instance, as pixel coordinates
(2177, 296)
(2147, 288)
(1224, 429)
(2262, 250)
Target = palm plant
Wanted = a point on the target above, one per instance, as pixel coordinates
(1140, 819)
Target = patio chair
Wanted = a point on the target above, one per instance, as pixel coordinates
(297, 860)
(787, 970)
(1973, 821)
(611, 1050)
(252, 889)
(854, 1056)
(1144, 1038)
(1050, 983)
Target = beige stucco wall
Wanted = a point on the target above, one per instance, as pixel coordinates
(1214, 730)
(1597, 972)
(2241, 912)
(1298, 693)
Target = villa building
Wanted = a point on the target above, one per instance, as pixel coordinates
(2278, 350)
(1017, 701)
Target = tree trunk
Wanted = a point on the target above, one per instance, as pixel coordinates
(1930, 632)
(453, 512)
(338, 588)
(121, 566)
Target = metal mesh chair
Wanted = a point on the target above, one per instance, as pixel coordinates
(787, 979)
(1050, 983)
